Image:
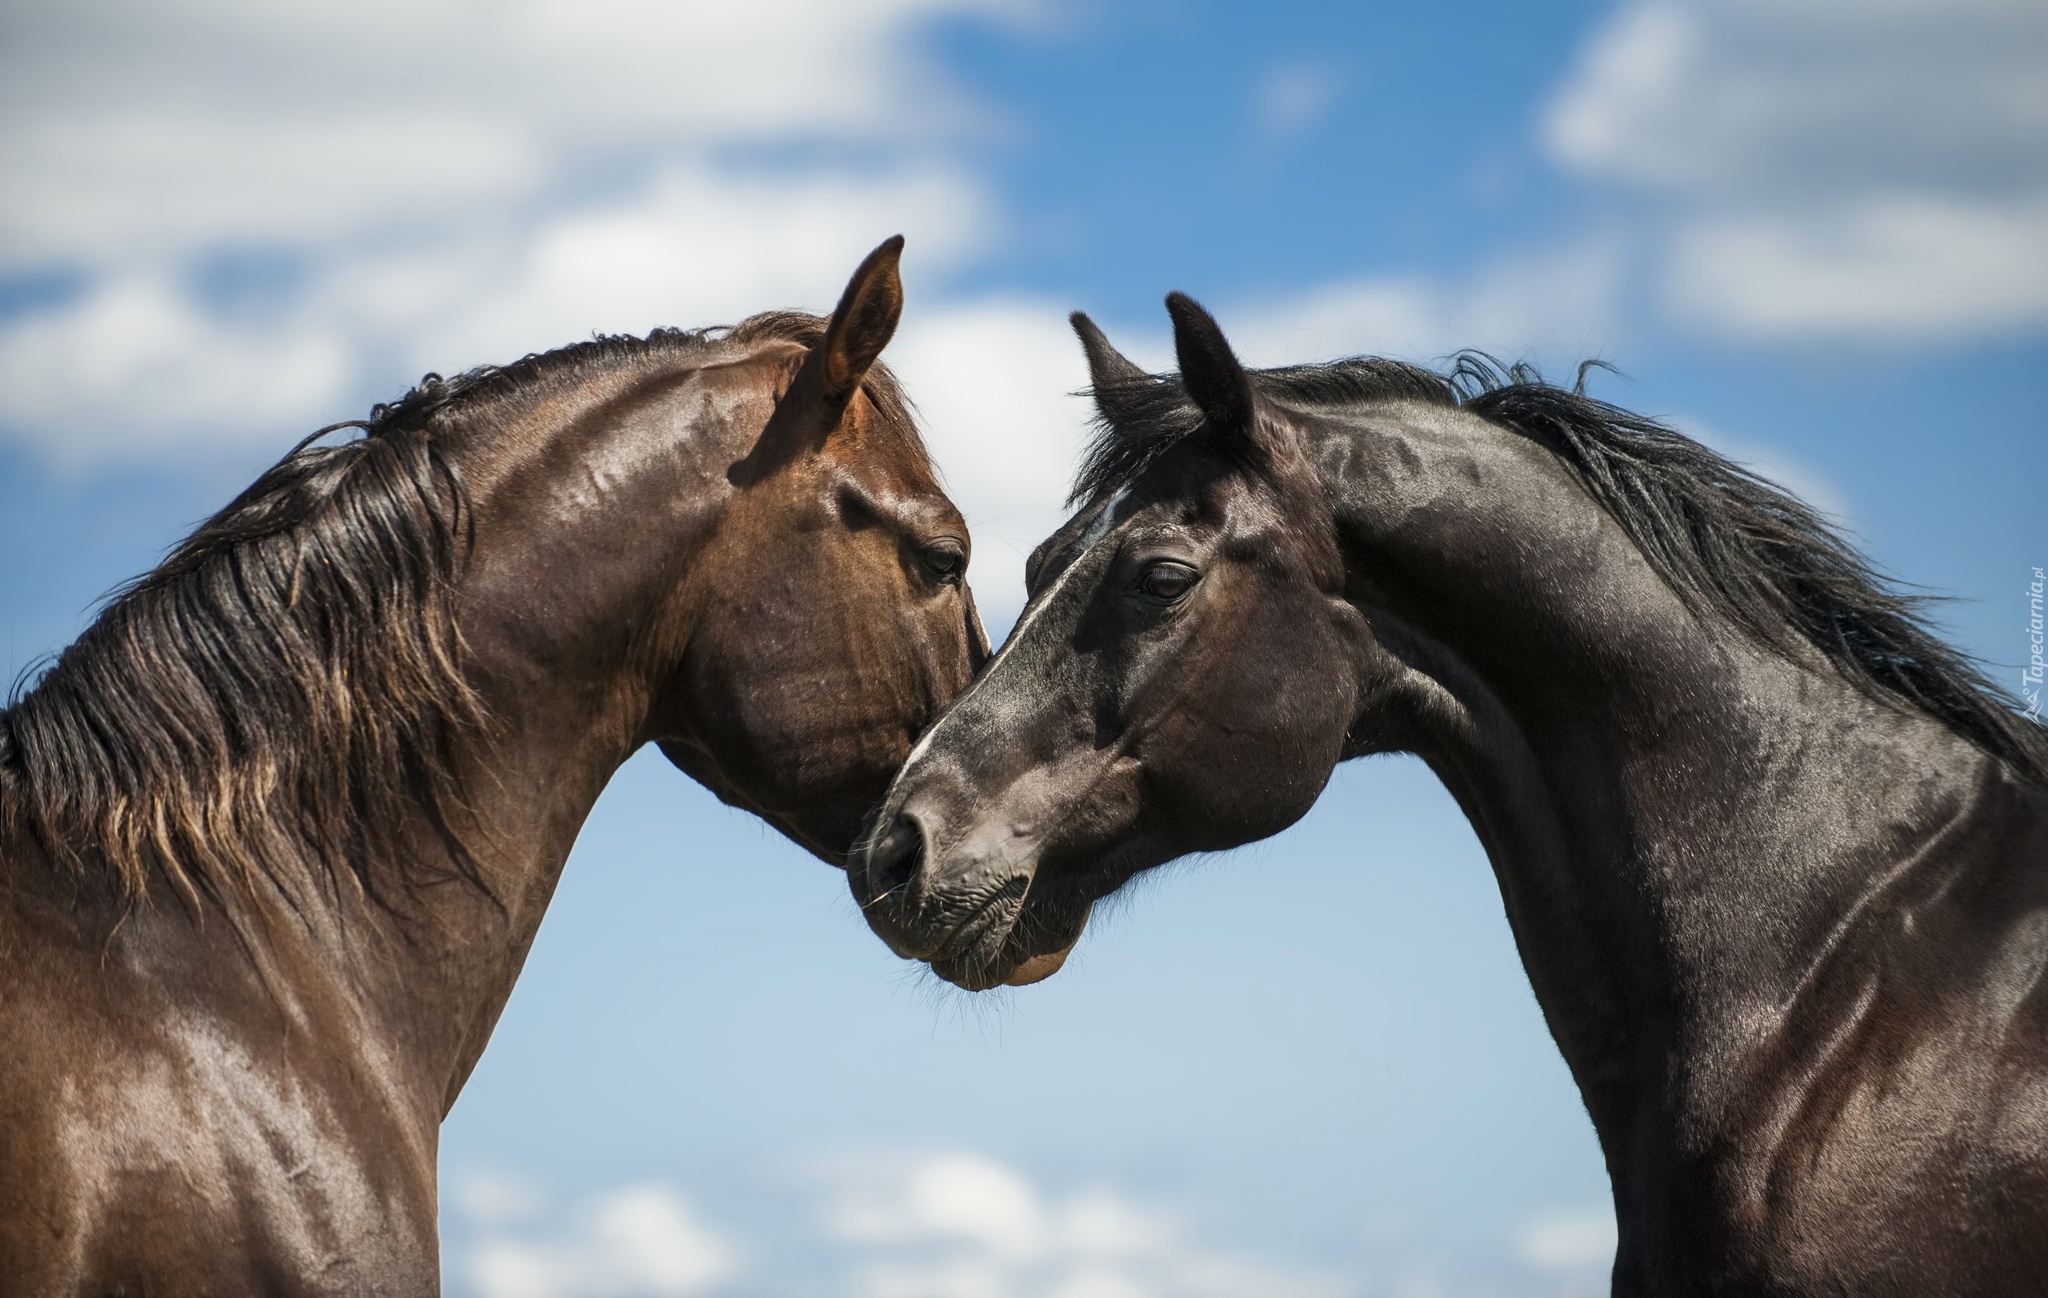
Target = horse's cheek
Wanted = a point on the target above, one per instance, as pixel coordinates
(1286, 735)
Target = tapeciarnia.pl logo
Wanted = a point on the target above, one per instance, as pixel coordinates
(2030, 679)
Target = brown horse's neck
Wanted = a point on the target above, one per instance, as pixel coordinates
(574, 605)
(582, 514)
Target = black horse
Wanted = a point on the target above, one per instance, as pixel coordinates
(1776, 858)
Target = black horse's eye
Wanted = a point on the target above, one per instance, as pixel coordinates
(1167, 582)
(944, 560)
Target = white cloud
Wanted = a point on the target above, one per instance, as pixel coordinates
(1568, 1239)
(136, 365)
(150, 126)
(1561, 302)
(701, 246)
(1903, 266)
(965, 1226)
(1814, 96)
(120, 186)
(453, 181)
(953, 1196)
(1294, 97)
(1828, 169)
(947, 1225)
(642, 1240)
(140, 363)
(1618, 97)
(492, 1200)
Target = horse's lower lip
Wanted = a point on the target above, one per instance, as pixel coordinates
(979, 978)
(970, 976)
(1038, 968)
(976, 977)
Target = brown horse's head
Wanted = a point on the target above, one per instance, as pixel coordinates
(828, 618)
(1182, 680)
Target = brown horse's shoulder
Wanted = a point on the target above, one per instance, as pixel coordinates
(143, 1150)
(167, 1125)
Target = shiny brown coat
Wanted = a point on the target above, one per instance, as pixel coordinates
(277, 833)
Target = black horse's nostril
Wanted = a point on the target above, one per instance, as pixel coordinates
(893, 860)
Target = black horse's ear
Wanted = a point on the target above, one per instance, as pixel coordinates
(1214, 379)
(1113, 378)
(861, 327)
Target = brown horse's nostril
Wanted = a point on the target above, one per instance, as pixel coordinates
(892, 862)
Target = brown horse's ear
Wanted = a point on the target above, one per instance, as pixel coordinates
(1113, 379)
(861, 327)
(833, 371)
(1214, 379)
(864, 321)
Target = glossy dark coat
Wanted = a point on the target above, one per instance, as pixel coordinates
(1788, 923)
(363, 714)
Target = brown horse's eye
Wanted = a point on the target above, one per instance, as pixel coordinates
(945, 561)
(1167, 582)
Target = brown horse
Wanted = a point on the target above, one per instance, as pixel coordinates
(277, 831)
(1775, 857)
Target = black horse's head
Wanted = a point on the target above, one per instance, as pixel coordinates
(1183, 679)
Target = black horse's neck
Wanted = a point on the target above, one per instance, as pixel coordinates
(1681, 821)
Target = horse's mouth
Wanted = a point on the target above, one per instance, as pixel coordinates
(998, 946)
(970, 953)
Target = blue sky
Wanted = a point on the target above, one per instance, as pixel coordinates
(1812, 232)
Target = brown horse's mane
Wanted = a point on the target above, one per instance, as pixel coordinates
(1726, 540)
(282, 694)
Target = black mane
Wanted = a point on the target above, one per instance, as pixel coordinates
(1725, 539)
(287, 689)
